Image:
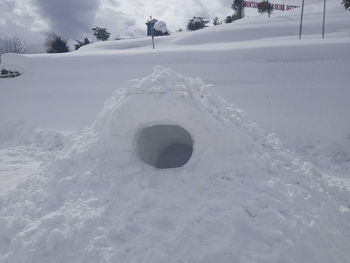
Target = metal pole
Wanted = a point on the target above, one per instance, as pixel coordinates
(301, 19)
(153, 39)
(324, 18)
(242, 8)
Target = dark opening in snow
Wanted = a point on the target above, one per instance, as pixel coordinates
(165, 146)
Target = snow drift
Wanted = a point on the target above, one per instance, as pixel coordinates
(238, 196)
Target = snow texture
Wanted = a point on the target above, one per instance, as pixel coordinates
(242, 197)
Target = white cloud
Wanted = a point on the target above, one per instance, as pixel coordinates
(74, 18)
(68, 18)
(175, 13)
(20, 17)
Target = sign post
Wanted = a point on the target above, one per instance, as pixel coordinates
(324, 18)
(301, 19)
(153, 38)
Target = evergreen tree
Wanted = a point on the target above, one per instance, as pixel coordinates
(238, 7)
(216, 21)
(79, 43)
(197, 23)
(265, 7)
(101, 33)
(55, 44)
(346, 4)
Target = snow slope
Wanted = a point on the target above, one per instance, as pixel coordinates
(295, 89)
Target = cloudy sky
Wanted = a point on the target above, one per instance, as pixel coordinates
(73, 19)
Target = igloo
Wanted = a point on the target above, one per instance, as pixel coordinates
(168, 121)
(170, 172)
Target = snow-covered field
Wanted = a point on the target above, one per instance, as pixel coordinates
(268, 179)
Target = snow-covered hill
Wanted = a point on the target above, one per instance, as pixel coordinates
(83, 195)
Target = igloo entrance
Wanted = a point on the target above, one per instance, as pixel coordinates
(165, 146)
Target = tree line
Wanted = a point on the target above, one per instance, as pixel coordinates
(57, 44)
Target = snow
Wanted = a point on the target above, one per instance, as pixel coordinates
(267, 184)
(160, 26)
(196, 20)
(257, 191)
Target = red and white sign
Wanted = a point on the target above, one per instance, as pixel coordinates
(275, 6)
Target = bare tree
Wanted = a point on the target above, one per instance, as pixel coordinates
(12, 45)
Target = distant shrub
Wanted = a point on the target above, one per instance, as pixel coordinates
(346, 4)
(216, 21)
(79, 43)
(56, 44)
(197, 23)
(265, 7)
(101, 33)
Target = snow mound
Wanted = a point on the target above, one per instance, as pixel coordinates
(238, 197)
(13, 62)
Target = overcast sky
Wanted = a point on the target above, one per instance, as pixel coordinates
(73, 19)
